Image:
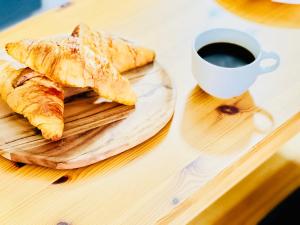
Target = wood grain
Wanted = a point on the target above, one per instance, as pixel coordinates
(197, 157)
(93, 128)
(255, 196)
(255, 11)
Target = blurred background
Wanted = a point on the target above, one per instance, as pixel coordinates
(13, 11)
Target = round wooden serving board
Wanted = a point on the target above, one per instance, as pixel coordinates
(94, 130)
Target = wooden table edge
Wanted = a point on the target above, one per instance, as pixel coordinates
(188, 209)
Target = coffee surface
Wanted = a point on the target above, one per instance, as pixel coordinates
(226, 54)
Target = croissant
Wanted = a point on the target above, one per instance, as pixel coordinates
(75, 62)
(37, 98)
(123, 54)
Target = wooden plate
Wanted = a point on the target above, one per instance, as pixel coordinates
(94, 130)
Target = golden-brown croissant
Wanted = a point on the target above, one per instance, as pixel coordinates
(123, 54)
(37, 98)
(75, 62)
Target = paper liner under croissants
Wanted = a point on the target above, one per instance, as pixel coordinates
(33, 95)
(85, 59)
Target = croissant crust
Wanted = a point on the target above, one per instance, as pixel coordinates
(76, 61)
(37, 98)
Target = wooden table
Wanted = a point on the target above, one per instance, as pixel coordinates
(197, 157)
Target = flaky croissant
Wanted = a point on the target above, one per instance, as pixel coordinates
(123, 54)
(37, 98)
(75, 62)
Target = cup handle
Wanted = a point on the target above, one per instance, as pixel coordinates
(269, 55)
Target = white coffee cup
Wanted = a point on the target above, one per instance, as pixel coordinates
(224, 82)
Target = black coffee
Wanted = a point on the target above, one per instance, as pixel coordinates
(226, 54)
